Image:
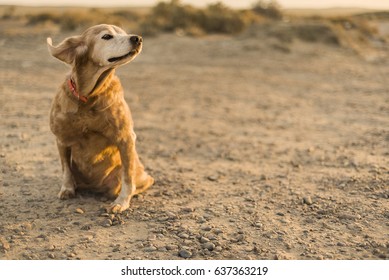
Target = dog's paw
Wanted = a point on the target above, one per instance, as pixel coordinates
(115, 208)
(66, 193)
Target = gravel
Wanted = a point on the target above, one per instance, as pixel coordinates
(184, 253)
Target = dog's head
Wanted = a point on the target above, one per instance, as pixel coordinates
(106, 46)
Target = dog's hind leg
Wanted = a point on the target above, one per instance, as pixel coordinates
(68, 188)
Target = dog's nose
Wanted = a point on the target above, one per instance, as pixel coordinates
(136, 39)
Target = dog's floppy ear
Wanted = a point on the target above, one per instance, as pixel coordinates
(68, 49)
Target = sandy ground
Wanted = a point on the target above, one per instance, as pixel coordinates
(260, 151)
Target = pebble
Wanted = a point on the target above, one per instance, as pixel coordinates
(150, 249)
(187, 210)
(204, 239)
(51, 256)
(307, 200)
(185, 253)
(152, 237)
(211, 237)
(346, 216)
(217, 231)
(206, 228)
(86, 227)
(107, 223)
(4, 244)
(80, 211)
(209, 246)
(171, 247)
(258, 225)
(183, 235)
(213, 178)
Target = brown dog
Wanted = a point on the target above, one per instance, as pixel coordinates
(92, 121)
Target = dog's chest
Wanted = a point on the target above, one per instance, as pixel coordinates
(70, 127)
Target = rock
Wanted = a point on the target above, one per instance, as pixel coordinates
(204, 239)
(51, 256)
(152, 237)
(150, 249)
(4, 244)
(86, 227)
(171, 247)
(307, 200)
(184, 253)
(346, 216)
(183, 235)
(209, 246)
(80, 211)
(171, 215)
(187, 210)
(213, 178)
(218, 231)
(258, 225)
(206, 228)
(107, 223)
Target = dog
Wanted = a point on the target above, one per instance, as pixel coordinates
(91, 120)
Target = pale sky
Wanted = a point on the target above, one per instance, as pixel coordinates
(374, 4)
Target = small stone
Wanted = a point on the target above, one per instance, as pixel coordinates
(307, 200)
(187, 210)
(86, 227)
(258, 225)
(152, 237)
(150, 249)
(171, 247)
(4, 244)
(162, 219)
(218, 249)
(209, 246)
(80, 211)
(107, 223)
(51, 256)
(206, 228)
(204, 239)
(346, 216)
(212, 237)
(183, 235)
(213, 178)
(171, 215)
(185, 253)
(218, 231)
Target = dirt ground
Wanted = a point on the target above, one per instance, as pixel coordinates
(259, 151)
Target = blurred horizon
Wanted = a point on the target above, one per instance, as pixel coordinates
(287, 4)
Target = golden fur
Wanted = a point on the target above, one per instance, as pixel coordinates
(95, 139)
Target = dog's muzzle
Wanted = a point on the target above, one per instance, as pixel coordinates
(135, 41)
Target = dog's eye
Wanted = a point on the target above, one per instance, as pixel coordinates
(107, 37)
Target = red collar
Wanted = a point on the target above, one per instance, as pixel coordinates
(72, 87)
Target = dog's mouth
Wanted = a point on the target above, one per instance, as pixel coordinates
(131, 53)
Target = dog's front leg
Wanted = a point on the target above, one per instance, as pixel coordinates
(127, 154)
(67, 188)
